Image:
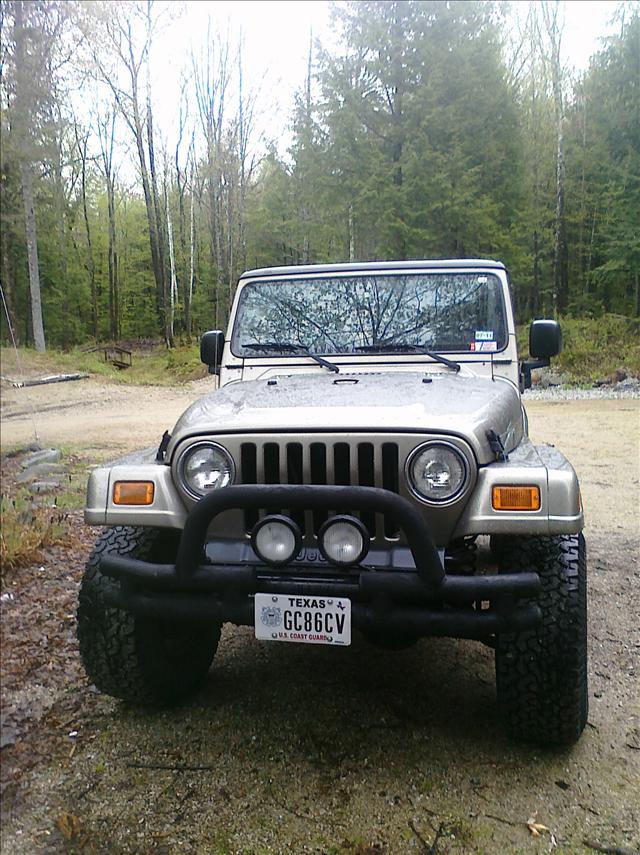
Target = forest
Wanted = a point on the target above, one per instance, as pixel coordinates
(426, 130)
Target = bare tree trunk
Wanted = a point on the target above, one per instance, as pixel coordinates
(165, 297)
(398, 135)
(173, 290)
(61, 218)
(211, 87)
(181, 186)
(114, 313)
(352, 237)
(583, 200)
(192, 255)
(560, 255)
(91, 266)
(591, 245)
(535, 300)
(243, 130)
(21, 117)
(32, 254)
(106, 136)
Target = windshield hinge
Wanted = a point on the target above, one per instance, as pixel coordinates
(496, 445)
(164, 442)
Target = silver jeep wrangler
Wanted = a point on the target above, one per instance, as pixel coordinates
(364, 464)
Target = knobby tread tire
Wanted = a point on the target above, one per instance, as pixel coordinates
(541, 674)
(131, 657)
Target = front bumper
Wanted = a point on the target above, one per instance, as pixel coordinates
(424, 601)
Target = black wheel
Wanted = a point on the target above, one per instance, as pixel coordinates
(141, 660)
(541, 674)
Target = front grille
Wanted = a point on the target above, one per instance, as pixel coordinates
(363, 464)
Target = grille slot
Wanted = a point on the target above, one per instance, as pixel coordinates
(365, 464)
(249, 475)
(390, 481)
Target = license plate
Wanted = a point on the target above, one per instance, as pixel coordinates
(305, 620)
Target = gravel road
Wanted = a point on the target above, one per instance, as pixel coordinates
(296, 749)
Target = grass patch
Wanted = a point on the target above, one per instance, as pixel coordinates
(155, 366)
(27, 529)
(593, 347)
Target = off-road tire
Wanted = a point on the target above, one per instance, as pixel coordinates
(141, 660)
(541, 674)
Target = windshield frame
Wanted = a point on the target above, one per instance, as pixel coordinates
(361, 356)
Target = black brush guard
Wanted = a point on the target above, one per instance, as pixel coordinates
(421, 602)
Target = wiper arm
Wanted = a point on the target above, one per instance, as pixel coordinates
(399, 347)
(288, 347)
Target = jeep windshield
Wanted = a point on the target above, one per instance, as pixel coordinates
(376, 313)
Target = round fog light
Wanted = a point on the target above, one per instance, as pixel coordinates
(343, 540)
(276, 540)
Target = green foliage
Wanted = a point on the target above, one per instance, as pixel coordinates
(604, 208)
(593, 348)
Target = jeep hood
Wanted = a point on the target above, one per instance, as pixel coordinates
(461, 405)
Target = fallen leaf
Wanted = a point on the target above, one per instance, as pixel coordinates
(534, 826)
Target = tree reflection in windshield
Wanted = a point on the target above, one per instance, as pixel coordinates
(441, 312)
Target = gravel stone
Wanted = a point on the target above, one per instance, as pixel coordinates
(39, 471)
(629, 388)
(44, 486)
(47, 455)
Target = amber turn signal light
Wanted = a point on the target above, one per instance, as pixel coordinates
(133, 492)
(513, 498)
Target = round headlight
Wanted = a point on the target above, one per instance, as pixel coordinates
(437, 472)
(343, 540)
(205, 467)
(276, 539)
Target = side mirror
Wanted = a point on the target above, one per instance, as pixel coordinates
(545, 339)
(211, 347)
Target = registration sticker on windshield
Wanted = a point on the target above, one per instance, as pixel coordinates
(302, 619)
(484, 335)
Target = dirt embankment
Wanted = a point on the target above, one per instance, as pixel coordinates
(291, 749)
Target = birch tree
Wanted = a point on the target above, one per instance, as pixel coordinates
(106, 124)
(82, 142)
(35, 30)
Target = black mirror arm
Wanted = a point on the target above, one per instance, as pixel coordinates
(529, 366)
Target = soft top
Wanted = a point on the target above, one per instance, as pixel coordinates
(367, 266)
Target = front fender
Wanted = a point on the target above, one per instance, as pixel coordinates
(166, 511)
(542, 465)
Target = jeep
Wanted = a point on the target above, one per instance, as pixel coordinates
(363, 465)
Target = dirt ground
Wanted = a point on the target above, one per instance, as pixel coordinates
(295, 749)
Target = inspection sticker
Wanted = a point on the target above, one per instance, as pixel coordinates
(484, 335)
(483, 346)
(303, 619)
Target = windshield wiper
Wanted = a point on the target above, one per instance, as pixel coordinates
(400, 347)
(288, 347)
